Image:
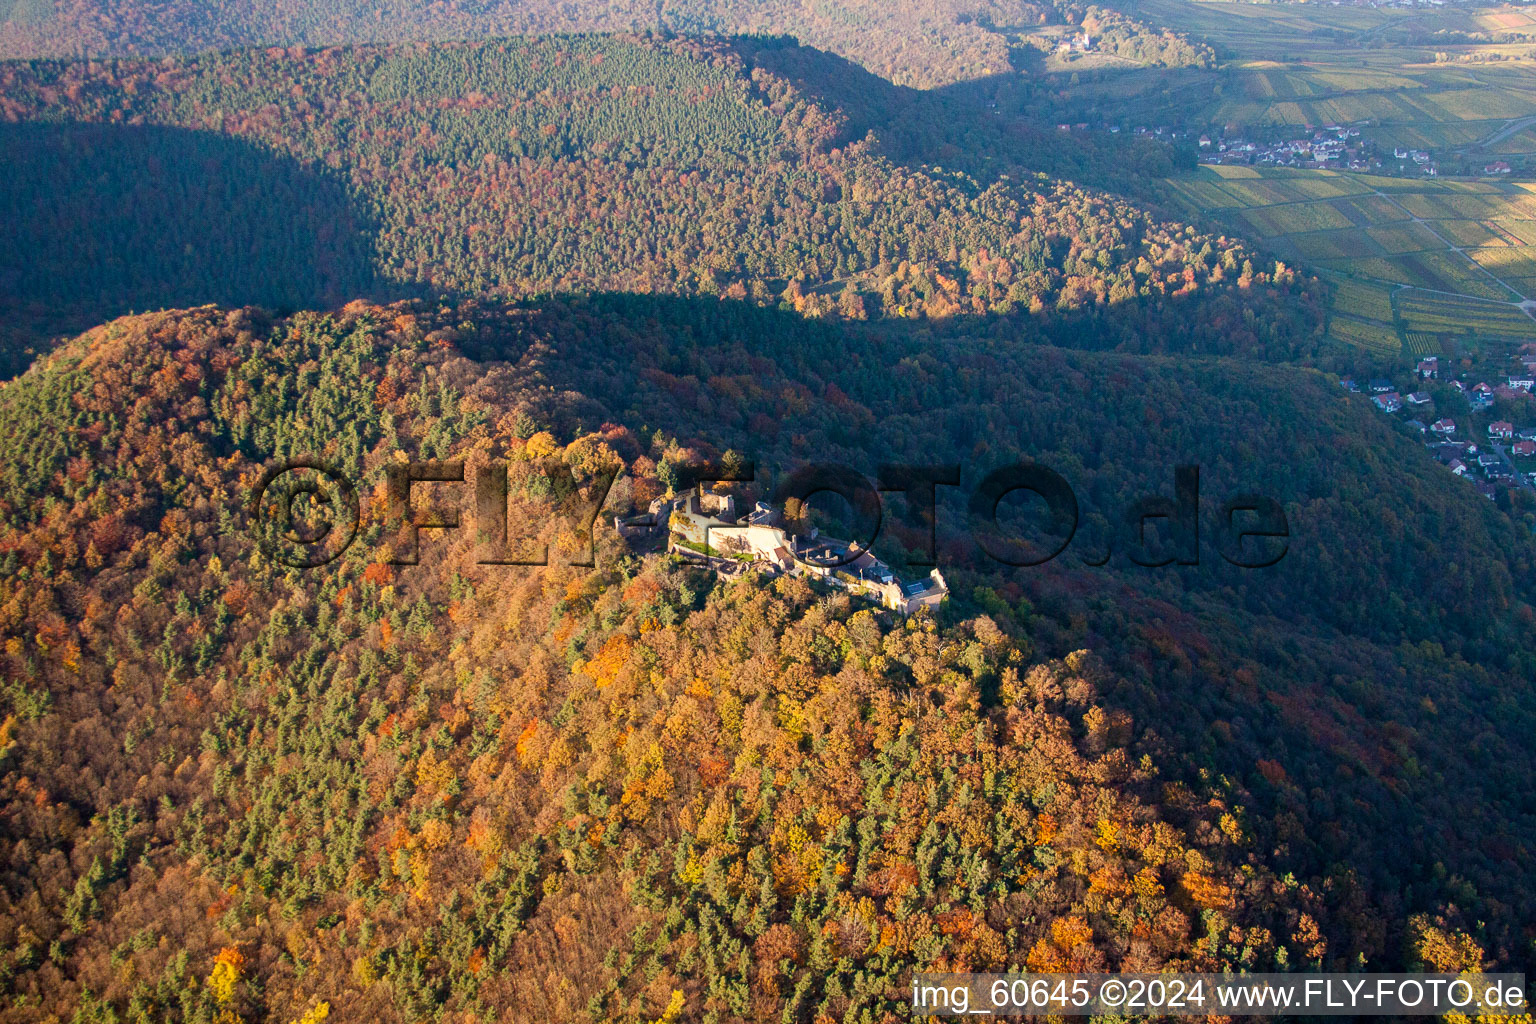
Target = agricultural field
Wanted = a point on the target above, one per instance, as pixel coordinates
(1521, 143)
(1361, 299)
(1405, 237)
(1316, 247)
(1379, 338)
(1506, 261)
(1457, 82)
(1476, 233)
(1417, 266)
(1425, 261)
(1292, 219)
(1468, 322)
(1418, 344)
(1505, 20)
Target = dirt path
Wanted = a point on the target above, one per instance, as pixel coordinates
(1523, 302)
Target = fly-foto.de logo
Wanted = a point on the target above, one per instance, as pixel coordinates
(306, 513)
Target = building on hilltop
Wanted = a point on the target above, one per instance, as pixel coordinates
(704, 524)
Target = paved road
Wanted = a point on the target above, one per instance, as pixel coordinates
(1525, 481)
(1519, 124)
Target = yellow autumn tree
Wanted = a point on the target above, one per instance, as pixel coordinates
(1445, 949)
(674, 1008)
(315, 1015)
(433, 776)
(541, 445)
(225, 974)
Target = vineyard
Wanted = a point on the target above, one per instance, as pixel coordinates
(1410, 260)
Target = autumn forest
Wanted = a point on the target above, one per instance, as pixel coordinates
(621, 786)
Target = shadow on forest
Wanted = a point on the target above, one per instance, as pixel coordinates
(987, 126)
(100, 220)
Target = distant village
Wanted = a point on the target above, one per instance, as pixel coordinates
(1390, 4)
(704, 526)
(1333, 147)
(1500, 455)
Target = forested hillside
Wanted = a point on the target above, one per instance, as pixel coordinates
(933, 43)
(1335, 692)
(619, 787)
(519, 168)
(239, 791)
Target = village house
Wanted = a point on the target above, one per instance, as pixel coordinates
(1429, 367)
(1501, 429)
(1389, 402)
(1380, 385)
(1458, 467)
(1523, 449)
(1522, 381)
(1445, 428)
(1419, 398)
